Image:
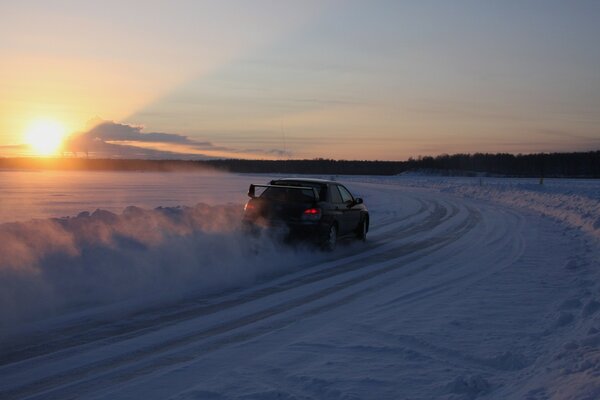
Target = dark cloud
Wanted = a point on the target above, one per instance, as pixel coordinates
(116, 140)
(108, 131)
(268, 152)
(100, 149)
(112, 139)
(568, 135)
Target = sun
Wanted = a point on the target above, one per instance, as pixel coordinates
(45, 136)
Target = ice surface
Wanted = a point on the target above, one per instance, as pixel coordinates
(467, 288)
(49, 194)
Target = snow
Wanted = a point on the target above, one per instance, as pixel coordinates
(466, 288)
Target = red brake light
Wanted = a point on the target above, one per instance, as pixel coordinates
(311, 214)
(249, 207)
(312, 211)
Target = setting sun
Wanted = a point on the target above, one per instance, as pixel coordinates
(45, 136)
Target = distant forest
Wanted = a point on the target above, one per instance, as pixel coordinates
(573, 165)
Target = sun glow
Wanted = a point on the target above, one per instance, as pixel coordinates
(44, 136)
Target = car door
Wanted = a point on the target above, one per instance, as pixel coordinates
(350, 209)
(337, 207)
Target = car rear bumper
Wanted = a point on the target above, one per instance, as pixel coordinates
(290, 230)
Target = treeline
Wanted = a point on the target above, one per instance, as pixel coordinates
(317, 166)
(574, 165)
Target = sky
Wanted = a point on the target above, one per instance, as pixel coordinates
(383, 80)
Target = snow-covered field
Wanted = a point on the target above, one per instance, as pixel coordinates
(466, 289)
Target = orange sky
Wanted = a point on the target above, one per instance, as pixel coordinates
(349, 80)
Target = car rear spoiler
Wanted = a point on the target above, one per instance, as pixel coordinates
(252, 189)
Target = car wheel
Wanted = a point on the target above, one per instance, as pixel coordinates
(248, 228)
(361, 232)
(331, 239)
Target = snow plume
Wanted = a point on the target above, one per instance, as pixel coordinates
(52, 266)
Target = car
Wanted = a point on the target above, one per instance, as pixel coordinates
(318, 210)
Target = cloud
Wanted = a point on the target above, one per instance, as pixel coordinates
(108, 131)
(268, 152)
(117, 140)
(113, 139)
(100, 149)
(568, 135)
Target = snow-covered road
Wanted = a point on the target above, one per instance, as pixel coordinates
(453, 296)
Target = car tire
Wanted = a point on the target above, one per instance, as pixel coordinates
(330, 240)
(249, 229)
(361, 232)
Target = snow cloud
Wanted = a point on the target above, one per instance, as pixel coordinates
(49, 266)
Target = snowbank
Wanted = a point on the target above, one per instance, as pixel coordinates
(576, 210)
(463, 291)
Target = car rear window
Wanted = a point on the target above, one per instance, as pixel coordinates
(288, 194)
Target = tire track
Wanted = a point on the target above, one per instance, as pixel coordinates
(153, 357)
(90, 333)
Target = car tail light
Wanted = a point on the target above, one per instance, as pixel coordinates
(312, 214)
(249, 207)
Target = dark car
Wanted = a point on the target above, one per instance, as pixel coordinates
(314, 209)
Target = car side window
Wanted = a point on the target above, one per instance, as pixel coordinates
(346, 196)
(322, 192)
(335, 195)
